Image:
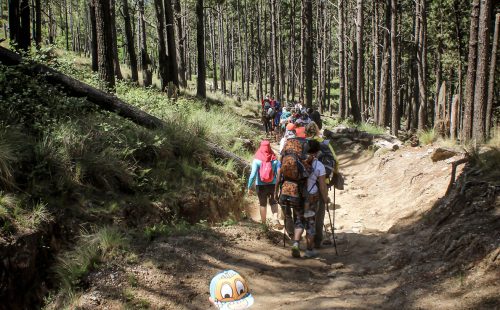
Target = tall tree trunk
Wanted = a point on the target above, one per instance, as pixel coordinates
(181, 61)
(422, 66)
(342, 102)
(437, 112)
(104, 36)
(384, 82)
(307, 52)
(471, 72)
(483, 57)
(38, 23)
(360, 62)
(116, 60)
(130, 42)
(162, 50)
(395, 121)
(491, 82)
(25, 33)
(172, 69)
(14, 21)
(93, 42)
(144, 56)
(376, 63)
(66, 28)
(222, 50)
(260, 93)
(200, 42)
(214, 50)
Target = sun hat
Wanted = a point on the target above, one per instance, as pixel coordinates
(229, 290)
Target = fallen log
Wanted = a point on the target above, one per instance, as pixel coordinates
(108, 102)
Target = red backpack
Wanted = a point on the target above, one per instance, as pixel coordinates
(266, 172)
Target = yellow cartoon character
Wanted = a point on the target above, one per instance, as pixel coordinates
(229, 291)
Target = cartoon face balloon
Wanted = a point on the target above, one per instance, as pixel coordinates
(230, 291)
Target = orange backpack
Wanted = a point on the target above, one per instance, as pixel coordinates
(294, 172)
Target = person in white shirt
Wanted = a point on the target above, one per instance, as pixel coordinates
(316, 190)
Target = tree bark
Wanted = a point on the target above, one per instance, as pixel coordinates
(360, 62)
(172, 68)
(491, 82)
(422, 65)
(200, 41)
(214, 51)
(376, 63)
(481, 87)
(114, 42)
(181, 61)
(25, 33)
(104, 36)
(93, 41)
(162, 50)
(144, 57)
(384, 82)
(307, 51)
(395, 121)
(130, 42)
(38, 23)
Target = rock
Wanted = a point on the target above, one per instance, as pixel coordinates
(333, 274)
(345, 141)
(442, 153)
(383, 144)
(337, 266)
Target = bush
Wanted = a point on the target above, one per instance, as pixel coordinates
(427, 137)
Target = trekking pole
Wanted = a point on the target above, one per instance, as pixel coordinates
(333, 227)
(284, 229)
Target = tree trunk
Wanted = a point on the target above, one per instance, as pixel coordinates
(260, 93)
(114, 39)
(130, 42)
(25, 33)
(422, 65)
(359, 62)
(395, 121)
(481, 87)
(14, 21)
(214, 51)
(162, 50)
(104, 36)
(38, 23)
(307, 51)
(376, 64)
(222, 50)
(93, 42)
(181, 61)
(491, 82)
(172, 69)
(384, 83)
(144, 57)
(200, 42)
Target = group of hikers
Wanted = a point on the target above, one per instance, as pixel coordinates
(298, 178)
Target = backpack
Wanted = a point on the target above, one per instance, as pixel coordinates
(294, 172)
(270, 113)
(327, 158)
(266, 107)
(266, 172)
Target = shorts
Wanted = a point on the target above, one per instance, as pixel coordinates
(265, 193)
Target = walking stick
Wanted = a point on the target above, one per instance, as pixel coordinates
(332, 224)
(284, 228)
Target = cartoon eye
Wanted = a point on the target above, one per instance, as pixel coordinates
(226, 291)
(240, 287)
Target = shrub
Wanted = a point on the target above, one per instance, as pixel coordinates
(427, 137)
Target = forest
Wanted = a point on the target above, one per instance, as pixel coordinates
(131, 132)
(411, 65)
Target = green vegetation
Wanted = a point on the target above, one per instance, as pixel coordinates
(90, 250)
(427, 137)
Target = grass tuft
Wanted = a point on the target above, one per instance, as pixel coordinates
(427, 137)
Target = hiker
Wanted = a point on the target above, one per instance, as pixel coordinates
(264, 171)
(289, 134)
(267, 109)
(276, 124)
(329, 160)
(315, 117)
(316, 191)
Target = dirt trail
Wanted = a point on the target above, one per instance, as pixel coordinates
(174, 272)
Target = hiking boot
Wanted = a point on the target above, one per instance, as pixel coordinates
(295, 251)
(310, 254)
